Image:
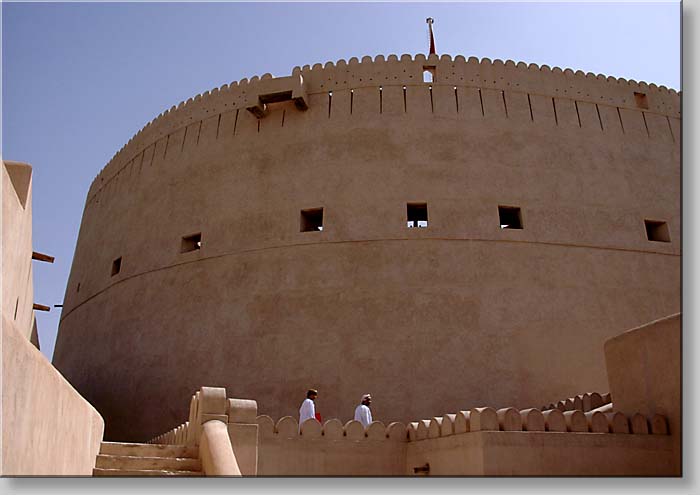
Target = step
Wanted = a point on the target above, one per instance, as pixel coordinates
(146, 450)
(105, 461)
(143, 472)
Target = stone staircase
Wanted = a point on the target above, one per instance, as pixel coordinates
(141, 459)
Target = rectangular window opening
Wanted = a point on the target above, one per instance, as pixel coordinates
(657, 231)
(191, 243)
(641, 100)
(510, 217)
(417, 215)
(311, 220)
(428, 73)
(116, 266)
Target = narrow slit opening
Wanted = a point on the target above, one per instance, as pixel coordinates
(116, 266)
(578, 115)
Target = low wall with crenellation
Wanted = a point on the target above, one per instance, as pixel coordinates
(481, 441)
(331, 449)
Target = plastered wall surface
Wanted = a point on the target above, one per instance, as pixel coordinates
(459, 314)
(644, 369)
(331, 449)
(543, 454)
(47, 427)
(17, 286)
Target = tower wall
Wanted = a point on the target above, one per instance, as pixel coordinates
(459, 314)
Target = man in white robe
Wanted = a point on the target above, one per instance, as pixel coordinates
(362, 412)
(308, 408)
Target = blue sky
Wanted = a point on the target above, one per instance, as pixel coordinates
(79, 79)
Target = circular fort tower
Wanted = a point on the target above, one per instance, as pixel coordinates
(256, 237)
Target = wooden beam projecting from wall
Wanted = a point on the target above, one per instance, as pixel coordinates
(41, 307)
(42, 257)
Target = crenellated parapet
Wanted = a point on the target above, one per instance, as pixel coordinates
(509, 419)
(479, 419)
(461, 88)
(582, 402)
(287, 427)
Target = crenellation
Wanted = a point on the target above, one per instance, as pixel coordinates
(287, 427)
(333, 429)
(483, 419)
(575, 421)
(617, 422)
(396, 432)
(447, 425)
(509, 419)
(354, 430)
(659, 425)
(422, 429)
(376, 431)
(532, 420)
(596, 400)
(462, 422)
(311, 429)
(597, 422)
(554, 420)
(434, 425)
(639, 424)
